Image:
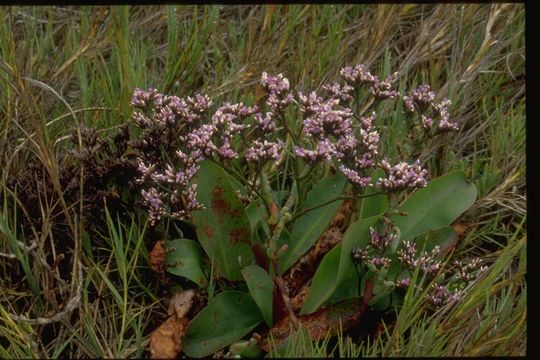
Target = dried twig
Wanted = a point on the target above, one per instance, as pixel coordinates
(72, 304)
(22, 246)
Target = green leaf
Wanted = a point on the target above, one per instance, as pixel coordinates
(260, 287)
(258, 221)
(337, 264)
(444, 237)
(348, 287)
(184, 259)
(228, 317)
(436, 205)
(380, 301)
(223, 227)
(309, 227)
(323, 283)
(255, 212)
(376, 204)
(381, 293)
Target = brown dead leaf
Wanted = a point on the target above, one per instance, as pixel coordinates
(461, 229)
(181, 302)
(328, 320)
(166, 340)
(298, 300)
(306, 266)
(157, 257)
(343, 213)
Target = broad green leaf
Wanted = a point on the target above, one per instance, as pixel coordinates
(323, 283)
(257, 220)
(223, 227)
(348, 287)
(376, 204)
(260, 287)
(337, 264)
(381, 293)
(436, 205)
(184, 259)
(228, 317)
(238, 186)
(381, 300)
(255, 212)
(279, 196)
(444, 237)
(309, 227)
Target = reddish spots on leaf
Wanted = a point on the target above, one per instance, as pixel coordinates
(219, 204)
(239, 235)
(208, 231)
(236, 213)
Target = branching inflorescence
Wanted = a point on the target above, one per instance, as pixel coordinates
(178, 133)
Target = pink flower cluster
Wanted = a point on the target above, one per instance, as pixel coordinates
(381, 89)
(423, 98)
(279, 96)
(178, 133)
(402, 176)
(373, 252)
(427, 262)
(468, 271)
(441, 295)
(335, 138)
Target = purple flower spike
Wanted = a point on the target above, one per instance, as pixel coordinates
(277, 87)
(265, 123)
(264, 151)
(380, 261)
(427, 122)
(225, 151)
(275, 84)
(325, 151)
(440, 295)
(337, 91)
(423, 95)
(402, 176)
(142, 99)
(383, 89)
(380, 241)
(201, 139)
(311, 103)
(358, 75)
(354, 177)
(403, 283)
(154, 202)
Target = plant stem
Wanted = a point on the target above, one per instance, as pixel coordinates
(305, 211)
